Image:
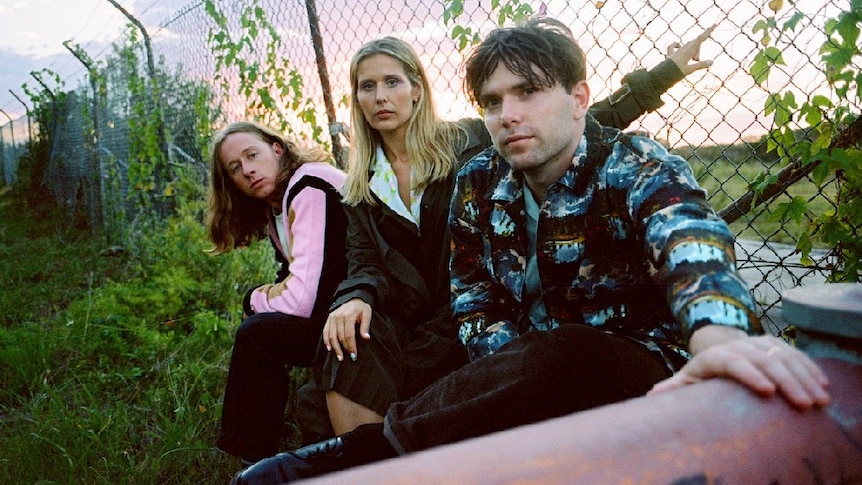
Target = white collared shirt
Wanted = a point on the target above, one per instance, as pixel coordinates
(384, 185)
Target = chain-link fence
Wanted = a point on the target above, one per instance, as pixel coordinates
(286, 62)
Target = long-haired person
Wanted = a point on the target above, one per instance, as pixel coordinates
(265, 185)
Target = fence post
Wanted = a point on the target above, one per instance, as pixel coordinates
(157, 104)
(27, 112)
(11, 127)
(335, 128)
(6, 179)
(97, 215)
(54, 116)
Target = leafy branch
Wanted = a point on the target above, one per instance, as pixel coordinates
(466, 35)
(269, 85)
(829, 146)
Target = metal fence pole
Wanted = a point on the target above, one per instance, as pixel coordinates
(27, 112)
(161, 131)
(11, 127)
(335, 128)
(95, 189)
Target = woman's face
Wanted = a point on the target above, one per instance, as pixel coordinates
(384, 93)
(253, 165)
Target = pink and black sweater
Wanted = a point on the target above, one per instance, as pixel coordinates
(313, 256)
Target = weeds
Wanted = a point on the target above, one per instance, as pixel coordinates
(112, 368)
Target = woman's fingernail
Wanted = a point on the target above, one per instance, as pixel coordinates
(339, 357)
(353, 356)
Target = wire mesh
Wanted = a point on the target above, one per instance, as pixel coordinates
(714, 117)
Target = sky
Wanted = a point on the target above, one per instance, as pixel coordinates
(32, 33)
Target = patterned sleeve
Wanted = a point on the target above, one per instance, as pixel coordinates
(690, 248)
(482, 307)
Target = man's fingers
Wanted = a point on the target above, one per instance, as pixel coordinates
(796, 376)
(703, 36)
(674, 382)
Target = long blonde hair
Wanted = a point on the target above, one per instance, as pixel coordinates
(234, 219)
(430, 141)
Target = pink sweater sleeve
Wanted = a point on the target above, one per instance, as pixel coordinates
(305, 225)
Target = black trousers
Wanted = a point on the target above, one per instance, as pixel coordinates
(537, 376)
(266, 346)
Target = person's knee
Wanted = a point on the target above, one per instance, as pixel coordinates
(566, 347)
(247, 332)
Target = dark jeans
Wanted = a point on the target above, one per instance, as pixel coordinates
(537, 376)
(258, 382)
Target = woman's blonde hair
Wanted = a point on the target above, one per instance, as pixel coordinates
(430, 141)
(233, 218)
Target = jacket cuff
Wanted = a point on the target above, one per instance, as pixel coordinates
(641, 90)
(247, 310)
(357, 292)
(664, 76)
(489, 341)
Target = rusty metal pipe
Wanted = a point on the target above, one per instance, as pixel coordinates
(708, 433)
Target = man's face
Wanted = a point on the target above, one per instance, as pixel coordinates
(536, 129)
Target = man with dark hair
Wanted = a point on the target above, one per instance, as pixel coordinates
(587, 268)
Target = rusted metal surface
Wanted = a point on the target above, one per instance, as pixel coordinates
(716, 432)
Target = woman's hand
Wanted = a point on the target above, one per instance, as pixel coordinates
(687, 57)
(339, 332)
(766, 365)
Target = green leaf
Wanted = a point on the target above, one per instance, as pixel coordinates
(759, 69)
(453, 10)
(794, 210)
(763, 62)
(793, 22)
(821, 101)
(760, 25)
(804, 246)
(813, 116)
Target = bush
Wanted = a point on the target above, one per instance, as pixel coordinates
(119, 379)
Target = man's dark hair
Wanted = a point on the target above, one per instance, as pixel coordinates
(542, 50)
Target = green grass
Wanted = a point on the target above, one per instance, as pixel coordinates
(112, 368)
(726, 172)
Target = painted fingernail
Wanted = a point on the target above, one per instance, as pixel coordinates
(353, 356)
(339, 357)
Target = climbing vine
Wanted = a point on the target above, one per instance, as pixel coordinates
(148, 173)
(818, 136)
(270, 88)
(467, 35)
(48, 101)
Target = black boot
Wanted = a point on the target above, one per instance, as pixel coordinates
(366, 444)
